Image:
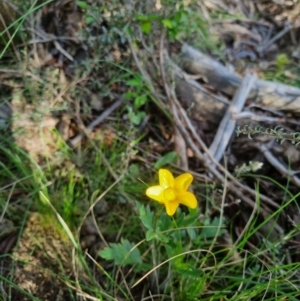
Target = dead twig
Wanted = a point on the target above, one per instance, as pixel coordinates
(283, 170)
(227, 125)
(235, 186)
(261, 49)
(259, 118)
(76, 140)
(266, 93)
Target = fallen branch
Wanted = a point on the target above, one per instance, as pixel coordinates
(195, 98)
(228, 125)
(266, 93)
(210, 163)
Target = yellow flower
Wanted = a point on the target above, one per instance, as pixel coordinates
(172, 192)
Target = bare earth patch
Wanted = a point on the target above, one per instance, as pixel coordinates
(42, 258)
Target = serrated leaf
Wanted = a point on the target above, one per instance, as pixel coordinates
(164, 222)
(146, 27)
(211, 229)
(168, 158)
(162, 237)
(175, 249)
(150, 234)
(146, 216)
(122, 253)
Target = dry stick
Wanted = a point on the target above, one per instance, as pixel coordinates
(76, 140)
(266, 93)
(205, 162)
(265, 46)
(211, 168)
(259, 118)
(7, 73)
(227, 125)
(279, 166)
(231, 186)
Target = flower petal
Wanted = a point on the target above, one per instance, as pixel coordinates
(183, 182)
(188, 199)
(156, 193)
(166, 179)
(171, 207)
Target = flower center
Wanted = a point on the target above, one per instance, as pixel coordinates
(169, 194)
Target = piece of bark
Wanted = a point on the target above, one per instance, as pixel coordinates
(266, 93)
(198, 103)
(196, 99)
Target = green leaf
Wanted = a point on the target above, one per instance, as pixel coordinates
(137, 118)
(141, 18)
(146, 216)
(166, 159)
(162, 237)
(134, 170)
(168, 23)
(150, 235)
(143, 267)
(149, 17)
(122, 253)
(175, 249)
(130, 95)
(164, 222)
(282, 61)
(146, 27)
(82, 4)
(89, 20)
(192, 233)
(135, 82)
(188, 270)
(211, 229)
(140, 101)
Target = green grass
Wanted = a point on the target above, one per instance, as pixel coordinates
(202, 254)
(201, 275)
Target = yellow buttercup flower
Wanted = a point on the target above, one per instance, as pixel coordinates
(172, 192)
